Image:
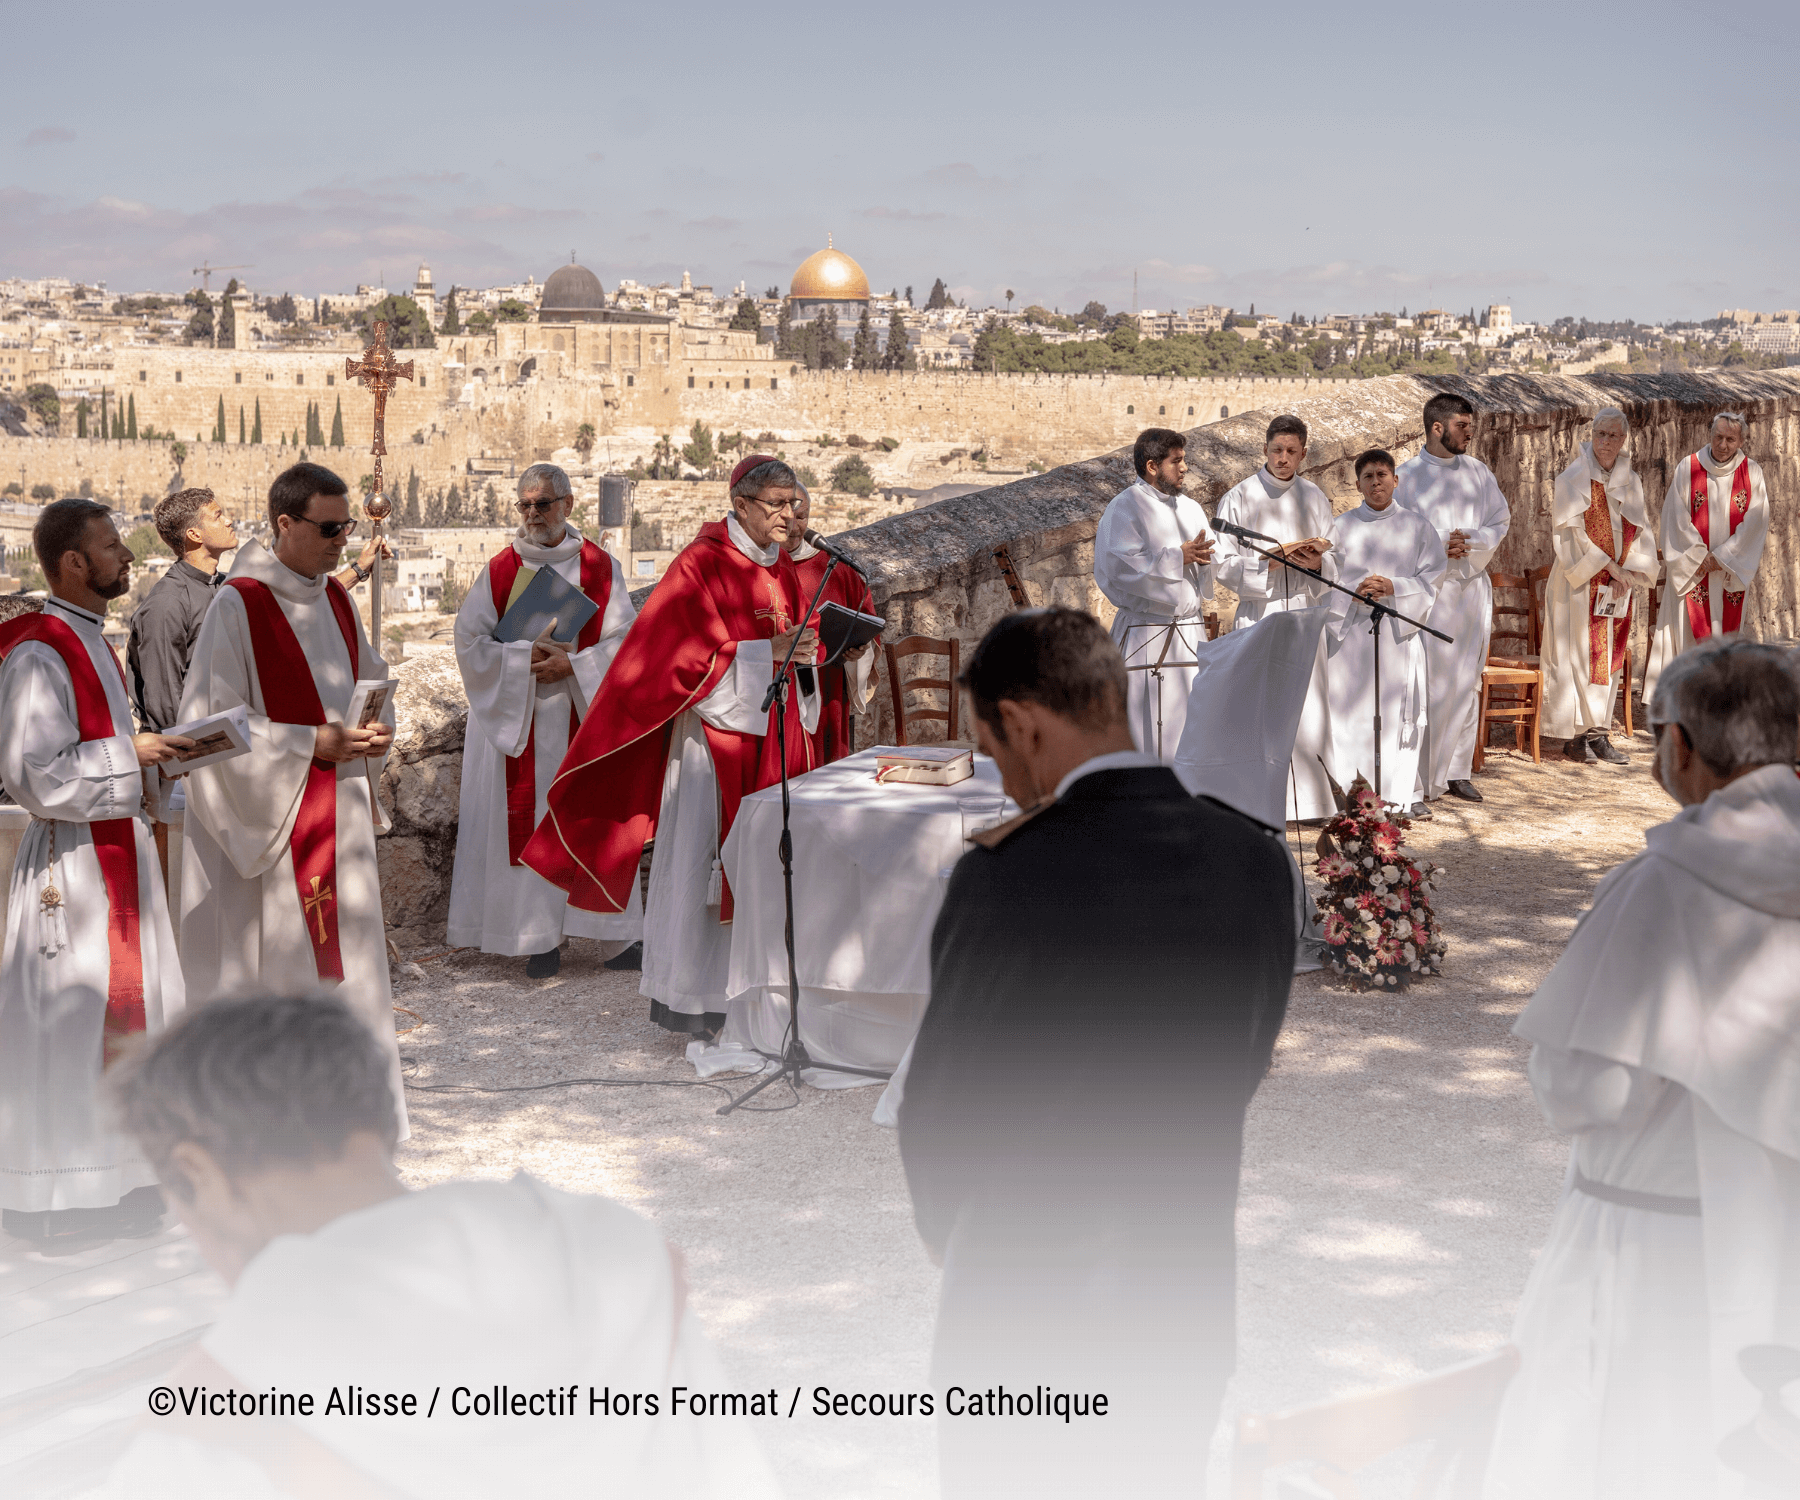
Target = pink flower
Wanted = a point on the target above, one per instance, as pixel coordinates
(1364, 803)
(1387, 951)
(1335, 867)
(1337, 930)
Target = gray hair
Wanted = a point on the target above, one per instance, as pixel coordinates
(540, 475)
(1737, 700)
(774, 475)
(262, 1081)
(1736, 418)
(1608, 415)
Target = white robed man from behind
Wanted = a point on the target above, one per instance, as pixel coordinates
(1667, 1042)
(1396, 557)
(1604, 548)
(1458, 494)
(525, 699)
(554, 1327)
(1276, 501)
(1715, 521)
(1153, 560)
(89, 956)
(279, 881)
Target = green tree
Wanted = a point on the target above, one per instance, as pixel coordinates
(43, 402)
(784, 328)
(511, 310)
(411, 516)
(256, 429)
(898, 354)
(453, 506)
(863, 352)
(747, 318)
(144, 542)
(851, 476)
(940, 296)
(241, 429)
(200, 326)
(584, 441)
(81, 418)
(434, 510)
(698, 450)
(827, 348)
(315, 430)
(337, 424)
(178, 451)
(491, 504)
(227, 318)
(281, 309)
(131, 419)
(43, 492)
(408, 327)
(218, 435)
(451, 324)
(480, 322)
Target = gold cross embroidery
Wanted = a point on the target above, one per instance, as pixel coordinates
(315, 905)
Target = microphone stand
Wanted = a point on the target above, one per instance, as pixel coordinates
(793, 1058)
(1248, 539)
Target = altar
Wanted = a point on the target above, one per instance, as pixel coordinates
(870, 866)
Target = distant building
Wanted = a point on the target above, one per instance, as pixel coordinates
(831, 280)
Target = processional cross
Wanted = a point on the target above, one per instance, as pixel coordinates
(377, 371)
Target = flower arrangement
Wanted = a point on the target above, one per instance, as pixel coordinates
(1378, 923)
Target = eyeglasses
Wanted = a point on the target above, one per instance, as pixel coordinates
(1657, 726)
(329, 529)
(538, 507)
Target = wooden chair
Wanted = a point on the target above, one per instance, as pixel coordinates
(1455, 1409)
(923, 645)
(1512, 683)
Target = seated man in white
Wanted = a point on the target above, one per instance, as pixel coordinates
(271, 1123)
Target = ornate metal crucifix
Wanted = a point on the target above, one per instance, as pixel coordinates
(378, 371)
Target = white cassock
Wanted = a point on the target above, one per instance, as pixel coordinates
(1729, 595)
(56, 1151)
(1289, 512)
(1138, 566)
(687, 949)
(1458, 495)
(1667, 1041)
(465, 1289)
(242, 924)
(1595, 518)
(1398, 545)
(495, 905)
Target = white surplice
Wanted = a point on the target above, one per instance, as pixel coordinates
(1138, 566)
(1573, 702)
(1739, 553)
(1403, 547)
(1459, 494)
(56, 1151)
(1667, 1039)
(1290, 512)
(242, 926)
(495, 905)
(687, 949)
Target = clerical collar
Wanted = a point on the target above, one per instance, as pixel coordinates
(1113, 760)
(767, 556)
(1273, 485)
(804, 551)
(1713, 466)
(76, 610)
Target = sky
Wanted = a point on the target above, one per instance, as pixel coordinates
(1608, 161)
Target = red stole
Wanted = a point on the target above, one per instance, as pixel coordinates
(521, 769)
(290, 696)
(1699, 602)
(115, 839)
(1606, 650)
(603, 804)
(831, 741)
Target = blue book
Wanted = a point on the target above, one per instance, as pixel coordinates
(549, 599)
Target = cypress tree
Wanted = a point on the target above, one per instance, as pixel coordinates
(451, 323)
(434, 511)
(410, 515)
(337, 424)
(899, 352)
(256, 430)
(862, 353)
(81, 420)
(219, 423)
(453, 507)
(131, 419)
(240, 421)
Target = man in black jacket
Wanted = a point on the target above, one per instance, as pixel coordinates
(1108, 974)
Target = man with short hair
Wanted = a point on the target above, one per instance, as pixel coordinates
(1276, 501)
(89, 955)
(279, 875)
(1153, 561)
(194, 526)
(677, 737)
(1392, 555)
(269, 1122)
(844, 691)
(1073, 1115)
(1667, 1042)
(1458, 495)
(1604, 548)
(1715, 520)
(525, 699)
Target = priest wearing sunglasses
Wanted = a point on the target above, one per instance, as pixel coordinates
(279, 880)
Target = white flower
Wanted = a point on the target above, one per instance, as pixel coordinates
(1377, 887)
(1389, 874)
(1411, 955)
(1352, 847)
(1349, 903)
(1368, 862)
(1392, 903)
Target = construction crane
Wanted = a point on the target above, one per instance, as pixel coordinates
(204, 272)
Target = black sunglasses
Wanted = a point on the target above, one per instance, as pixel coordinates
(538, 507)
(328, 529)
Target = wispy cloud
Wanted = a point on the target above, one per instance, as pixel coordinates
(714, 225)
(50, 135)
(900, 215)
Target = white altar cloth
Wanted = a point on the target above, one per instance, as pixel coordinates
(870, 867)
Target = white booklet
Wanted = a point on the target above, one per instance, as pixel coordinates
(217, 737)
(369, 701)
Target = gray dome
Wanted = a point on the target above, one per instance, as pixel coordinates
(570, 290)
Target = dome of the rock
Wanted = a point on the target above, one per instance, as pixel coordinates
(573, 293)
(830, 276)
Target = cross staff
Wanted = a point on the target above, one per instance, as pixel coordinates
(377, 371)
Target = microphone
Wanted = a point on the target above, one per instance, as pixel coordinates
(1242, 533)
(812, 538)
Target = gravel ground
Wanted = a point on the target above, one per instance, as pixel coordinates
(1398, 1178)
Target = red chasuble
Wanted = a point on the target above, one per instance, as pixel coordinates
(604, 803)
(290, 696)
(832, 739)
(115, 839)
(1699, 603)
(521, 769)
(1606, 649)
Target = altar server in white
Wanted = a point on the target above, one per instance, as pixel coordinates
(1459, 496)
(1667, 1042)
(1604, 548)
(1715, 520)
(1276, 501)
(525, 698)
(1384, 553)
(1153, 560)
(279, 881)
(89, 955)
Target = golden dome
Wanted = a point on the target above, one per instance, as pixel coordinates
(830, 275)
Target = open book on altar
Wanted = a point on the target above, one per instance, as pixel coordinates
(548, 600)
